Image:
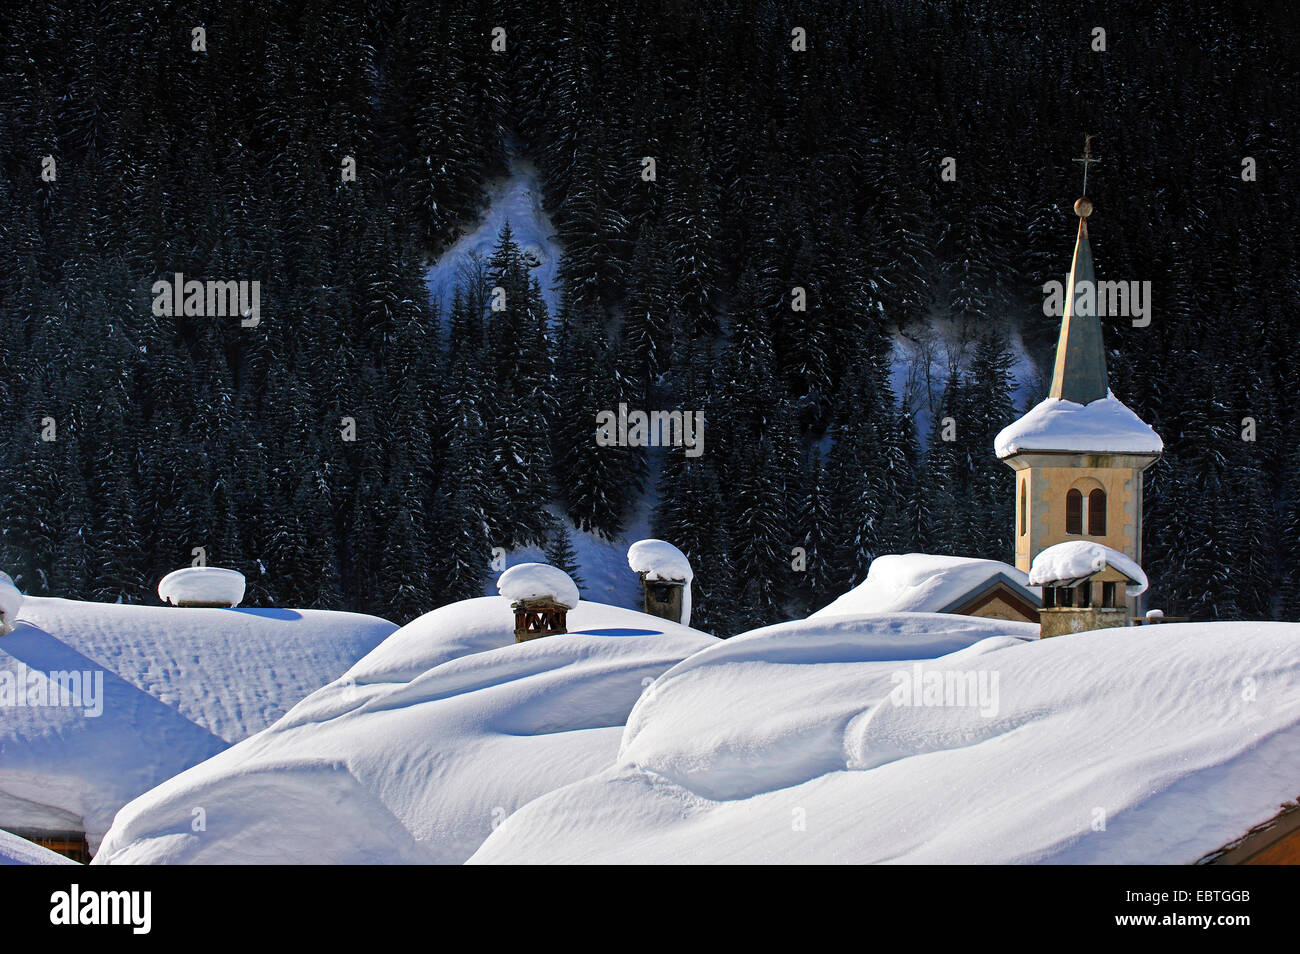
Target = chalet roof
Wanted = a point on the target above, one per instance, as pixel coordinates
(926, 583)
(161, 689)
(1030, 595)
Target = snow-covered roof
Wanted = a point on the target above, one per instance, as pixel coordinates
(1076, 559)
(20, 851)
(1106, 426)
(160, 689)
(530, 581)
(923, 583)
(202, 584)
(419, 750)
(828, 751)
(659, 560)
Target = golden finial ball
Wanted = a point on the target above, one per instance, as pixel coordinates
(1083, 207)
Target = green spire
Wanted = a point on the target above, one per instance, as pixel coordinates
(1080, 372)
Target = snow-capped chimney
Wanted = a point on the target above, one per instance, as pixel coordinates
(666, 577)
(541, 596)
(202, 586)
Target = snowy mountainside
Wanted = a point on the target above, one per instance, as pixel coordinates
(920, 359)
(517, 199)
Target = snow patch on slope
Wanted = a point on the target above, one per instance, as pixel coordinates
(516, 199)
(922, 356)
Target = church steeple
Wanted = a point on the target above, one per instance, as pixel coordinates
(1080, 371)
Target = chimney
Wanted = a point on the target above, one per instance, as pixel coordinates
(666, 576)
(541, 597)
(202, 586)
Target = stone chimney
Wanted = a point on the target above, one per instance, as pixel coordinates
(666, 576)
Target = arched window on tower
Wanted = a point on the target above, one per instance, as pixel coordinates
(1024, 507)
(1097, 513)
(1074, 512)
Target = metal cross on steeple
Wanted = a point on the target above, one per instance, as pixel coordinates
(1087, 160)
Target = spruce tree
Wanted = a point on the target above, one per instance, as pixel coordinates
(560, 553)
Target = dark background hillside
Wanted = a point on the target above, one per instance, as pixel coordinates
(775, 169)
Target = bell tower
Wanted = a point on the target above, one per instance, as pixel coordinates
(1079, 455)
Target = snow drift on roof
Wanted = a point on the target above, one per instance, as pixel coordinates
(175, 686)
(530, 581)
(918, 583)
(20, 851)
(421, 749)
(1102, 427)
(1076, 559)
(815, 758)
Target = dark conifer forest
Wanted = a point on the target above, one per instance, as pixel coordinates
(129, 439)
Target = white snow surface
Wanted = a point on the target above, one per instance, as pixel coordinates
(810, 759)
(1105, 426)
(421, 749)
(20, 851)
(660, 560)
(1075, 559)
(917, 583)
(11, 603)
(202, 584)
(178, 686)
(529, 581)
